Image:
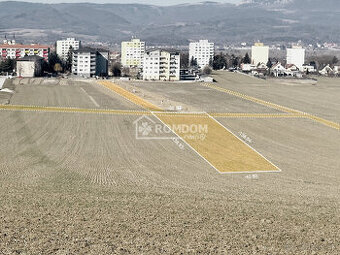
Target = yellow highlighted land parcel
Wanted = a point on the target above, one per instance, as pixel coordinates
(223, 150)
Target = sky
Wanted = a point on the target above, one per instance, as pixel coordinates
(154, 2)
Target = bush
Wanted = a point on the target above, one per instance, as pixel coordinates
(207, 70)
(117, 69)
(7, 66)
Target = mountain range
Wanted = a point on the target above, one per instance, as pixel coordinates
(270, 21)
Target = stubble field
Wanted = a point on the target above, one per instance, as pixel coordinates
(81, 183)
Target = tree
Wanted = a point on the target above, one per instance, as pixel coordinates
(125, 71)
(246, 59)
(68, 63)
(207, 70)
(53, 59)
(219, 62)
(193, 62)
(234, 61)
(57, 68)
(7, 65)
(313, 63)
(116, 69)
(323, 60)
(211, 61)
(269, 63)
(335, 60)
(184, 60)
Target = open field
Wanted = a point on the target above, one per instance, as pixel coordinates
(77, 181)
(321, 99)
(194, 98)
(67, 93)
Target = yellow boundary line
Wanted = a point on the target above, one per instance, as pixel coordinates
(130, 96)
(71, 110)
(252, 99)
(255, 115)
(34, 108)
(325, 122)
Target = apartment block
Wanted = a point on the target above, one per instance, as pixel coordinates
(202, 51)
(296, 56)
(161, 65)
(63, 47)
(10, 49)
(259, 54)
(88, 62)
(132, 53)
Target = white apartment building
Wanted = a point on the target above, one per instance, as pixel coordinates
(87, 62)
(11, 49)
(63, 47)
(132, 53)
(161, 65)
(259, 54)
(202, 51)
(296, 56)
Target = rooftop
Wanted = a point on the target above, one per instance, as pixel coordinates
(171, 51)
(30, 58)
(89, 50)
(24, 46)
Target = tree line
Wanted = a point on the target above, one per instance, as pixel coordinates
(57, 65)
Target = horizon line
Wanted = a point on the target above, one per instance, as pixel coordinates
(122, 3)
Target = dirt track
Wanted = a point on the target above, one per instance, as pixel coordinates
(74, 183)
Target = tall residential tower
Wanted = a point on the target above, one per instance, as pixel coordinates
(161, 65)
(201, 51)
(63, 47)
(133, 53)
(259, 54)
(296, 56)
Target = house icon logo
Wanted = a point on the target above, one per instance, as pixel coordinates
(148, 129)
(144, 127)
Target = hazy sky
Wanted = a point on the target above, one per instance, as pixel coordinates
(156, 2)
